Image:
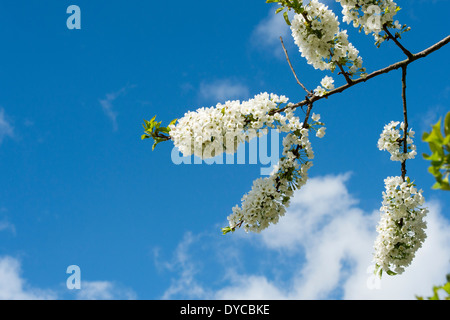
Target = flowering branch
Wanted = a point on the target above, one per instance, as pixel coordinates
(374, 74)
(208, 132)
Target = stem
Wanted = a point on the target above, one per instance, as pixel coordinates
(347, 78)
(308, 112)
(390, 36)
(292, 69)
(405, 116)
(305, 123)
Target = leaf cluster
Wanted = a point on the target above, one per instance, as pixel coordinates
(437, 289)
(154, 130)
(439, 143)
(286, 6)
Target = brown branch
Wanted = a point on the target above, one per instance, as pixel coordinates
(374, 74)
(405, 116)
(345, 74)
(292, 69)
(308, 113)
(390, 36)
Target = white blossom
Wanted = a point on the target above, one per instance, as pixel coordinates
(401, 230)
(327, 82)
(326, 85)
(208, 132)
(269, 197)
(315, 117)
(370, 15)
(321, 132)
(320, 92)
(391, 141)
(316, 32)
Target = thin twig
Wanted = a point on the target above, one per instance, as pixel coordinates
(305, 124)
(308, 113)
(390, 36)
(347, 78)
(292, 68)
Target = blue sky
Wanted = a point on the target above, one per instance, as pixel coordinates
(79, 187)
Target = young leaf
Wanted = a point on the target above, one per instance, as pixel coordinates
(173, 122)
(447, 124)
(286, 18)
(227, 230)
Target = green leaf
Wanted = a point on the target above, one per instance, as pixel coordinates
(286, 18)
(437, 130)
(435, 171)
(227, 230)
(391, 273)
(446, 287)
(442, 185)
(447, 124)
(445, 185)
(164, 130)
(436, 293)
(446, 140)
(144, 136)
(436, 147)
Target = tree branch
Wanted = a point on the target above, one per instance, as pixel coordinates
(292, 69)
(405, 116)
(374, 74)
(390, 36)
(347, 78)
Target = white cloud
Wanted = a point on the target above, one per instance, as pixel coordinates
(183, 264)
(108, 107)
(335, 239)
(6, 129)
(267, 33)
(103, 290)
(222, 91)
(251, 287)
(14, 287)
(6, 225)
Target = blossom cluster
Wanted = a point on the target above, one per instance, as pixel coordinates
(269, 197)
(208, 132)
(316, 32)
(391, 140)
(401, 231)
(327, 84)
(371, 15)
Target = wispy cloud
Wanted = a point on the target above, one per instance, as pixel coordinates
(13, 286)
(267, 33)
(183, 264)
(6, 129)
(108, 104)
(104, 290)
(335, 239)
(222, 90)
(5, 225)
